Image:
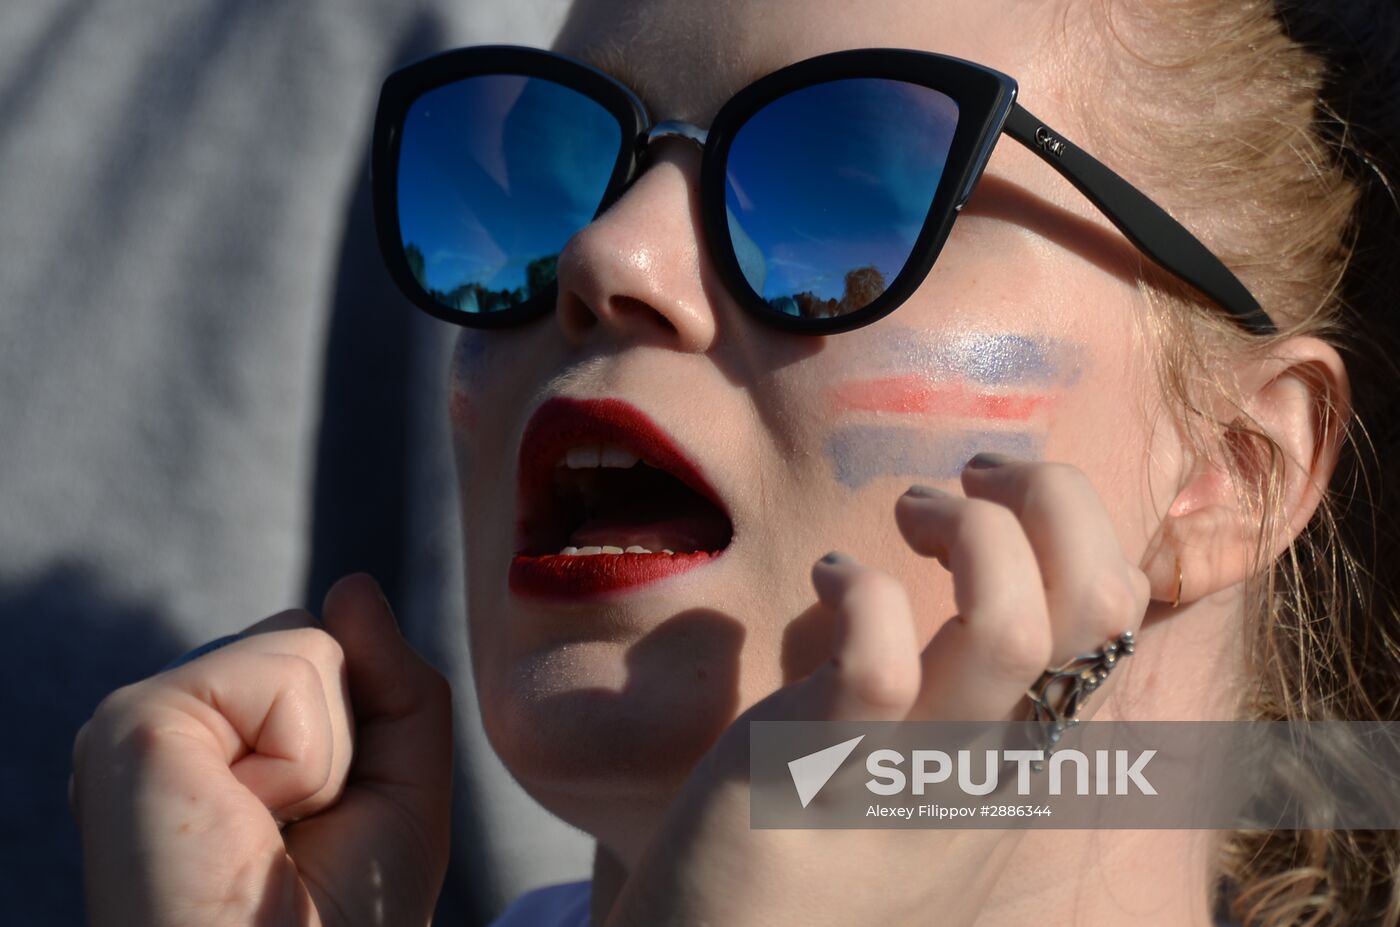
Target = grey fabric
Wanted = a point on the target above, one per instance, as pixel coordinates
(212, 402)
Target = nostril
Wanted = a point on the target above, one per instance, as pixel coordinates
(623, 313)
(629, 308)
(574, 315)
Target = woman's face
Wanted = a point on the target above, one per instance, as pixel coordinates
(1022, 341)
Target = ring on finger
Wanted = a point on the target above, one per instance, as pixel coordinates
(1080, 676)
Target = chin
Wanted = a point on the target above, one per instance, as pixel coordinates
(609, 763)
(594, 717)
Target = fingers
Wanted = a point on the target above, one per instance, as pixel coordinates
(172, 809)
(874, 674)
(978, 665)
(286, 731)
(1039, 577)
(260, 718)
(174, 776)
(296, 632)
(1093, 592)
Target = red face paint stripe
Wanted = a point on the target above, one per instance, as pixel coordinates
(460, 409)
(914, 394)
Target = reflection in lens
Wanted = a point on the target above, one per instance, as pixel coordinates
(496, 173)
(828, 187)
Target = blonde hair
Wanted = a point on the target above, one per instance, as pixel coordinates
(1286, 114)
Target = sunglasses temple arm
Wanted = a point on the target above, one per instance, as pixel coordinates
(1145, 224)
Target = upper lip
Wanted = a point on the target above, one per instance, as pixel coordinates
(561, 423)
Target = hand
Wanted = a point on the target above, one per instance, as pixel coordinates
(1039, 577)
(301, 775)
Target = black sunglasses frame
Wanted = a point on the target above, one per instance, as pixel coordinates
(987, 107)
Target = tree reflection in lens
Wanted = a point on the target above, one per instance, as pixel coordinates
(863, 286)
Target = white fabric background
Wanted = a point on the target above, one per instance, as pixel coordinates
(212, 402)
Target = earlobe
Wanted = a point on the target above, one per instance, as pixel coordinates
(1299, 398)
(1210, 545)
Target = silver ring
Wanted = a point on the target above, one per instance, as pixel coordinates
(1081, 676)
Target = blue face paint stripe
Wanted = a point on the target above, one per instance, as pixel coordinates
(990, 359)
(862, 453)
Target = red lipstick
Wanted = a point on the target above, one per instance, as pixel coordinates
(540, 569)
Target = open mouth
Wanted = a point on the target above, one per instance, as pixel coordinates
(607, 501)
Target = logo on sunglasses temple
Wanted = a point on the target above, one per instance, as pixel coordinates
(1047, 140)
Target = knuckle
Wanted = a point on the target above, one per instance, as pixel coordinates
(1020, 651)
(1057, 477)
(115, 712)
(315, 645)
(311, 772)
(982, 522)
(116, 706)
(145, 736)
(872, 589)
(1107, 604)
(1049, 486)
(876, 686)
(299, 671)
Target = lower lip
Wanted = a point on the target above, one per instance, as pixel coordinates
(556, 576)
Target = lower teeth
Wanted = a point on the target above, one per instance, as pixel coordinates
(610, 549)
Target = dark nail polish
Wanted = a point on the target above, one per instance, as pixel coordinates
(836, 558)
(987, 459)
(920, 491)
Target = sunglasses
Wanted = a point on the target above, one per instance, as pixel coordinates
(827, 188)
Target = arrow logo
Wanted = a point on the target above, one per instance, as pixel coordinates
(813, 771)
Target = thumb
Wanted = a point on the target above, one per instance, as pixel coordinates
(399, 784)
(402, 704)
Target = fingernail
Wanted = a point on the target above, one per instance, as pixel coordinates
(920, 491)
(836, 558)
(987, 459)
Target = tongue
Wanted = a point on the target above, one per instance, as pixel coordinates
(691, 532)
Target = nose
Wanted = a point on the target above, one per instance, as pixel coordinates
(636, 273)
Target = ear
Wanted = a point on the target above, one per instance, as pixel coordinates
(1300, 396)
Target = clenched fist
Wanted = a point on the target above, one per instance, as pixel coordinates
(300, 775)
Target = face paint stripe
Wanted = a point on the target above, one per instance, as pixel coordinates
(863, 453)
(991, 360)
(915, 395)
(460, 409)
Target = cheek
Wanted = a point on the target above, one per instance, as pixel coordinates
(915, 405)
(466, 378)
(461, 410)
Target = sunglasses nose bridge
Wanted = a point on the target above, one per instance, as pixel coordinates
(674, 129)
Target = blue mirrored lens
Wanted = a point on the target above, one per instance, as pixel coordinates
(496, 173)
(828, 188)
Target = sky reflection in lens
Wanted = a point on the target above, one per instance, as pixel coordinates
(828, 187)
(496, 173)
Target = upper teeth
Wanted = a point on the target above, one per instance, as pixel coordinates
(589, 456)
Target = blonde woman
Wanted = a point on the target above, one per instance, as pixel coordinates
(748, 427)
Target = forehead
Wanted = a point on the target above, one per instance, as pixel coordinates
(686, 58)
